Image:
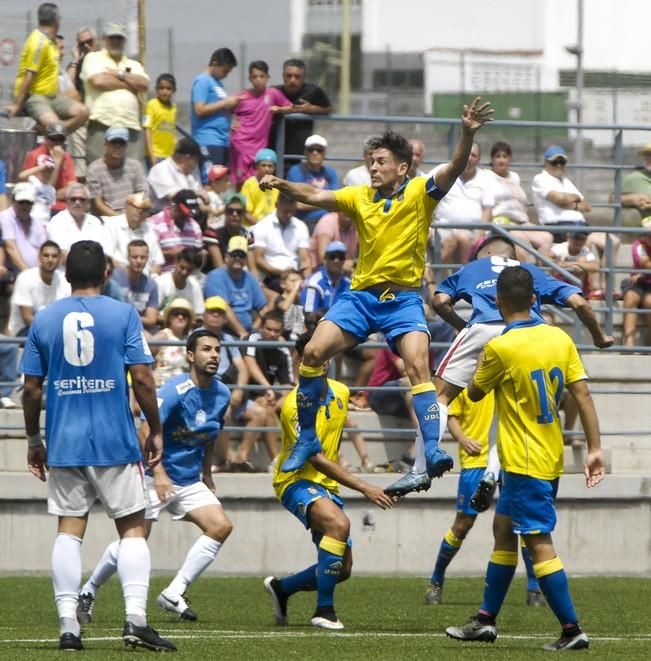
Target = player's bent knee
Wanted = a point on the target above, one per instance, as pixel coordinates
(313, 355)
(220, 530)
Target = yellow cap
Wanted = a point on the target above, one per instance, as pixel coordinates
(216, 303)
(238, 243)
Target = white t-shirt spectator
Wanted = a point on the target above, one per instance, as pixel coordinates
(359, 176)
(548, 212)
(281, 242)
(167, 292)
(465, 201)
(561, 252)
(119, 235)
(166, 179)
(31, 292)
(510, 199)
(63, 230)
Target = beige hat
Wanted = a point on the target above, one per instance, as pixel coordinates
(178, 304)
(646, 149)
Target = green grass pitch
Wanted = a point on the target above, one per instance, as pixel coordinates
(385, 618)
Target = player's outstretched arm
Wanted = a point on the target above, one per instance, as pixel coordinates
(36, 452)
(304, 193)
(336, 472)
(587, 317)
(473, 118)
(594, 469)
(144, 390)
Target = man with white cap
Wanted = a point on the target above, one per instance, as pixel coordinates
(324, 286)
(636, 187)
(114, 177)
(112, 83)
(312, 171)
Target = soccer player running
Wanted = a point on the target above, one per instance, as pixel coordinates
(476, 283)
(392, 217)
(192, 408)
(527, 366)
(85, 345)
(470, 425)
(311, 494)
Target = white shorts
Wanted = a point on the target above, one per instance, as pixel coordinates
(185, 499)
(72, 491)
(445, 233)
(459, 363)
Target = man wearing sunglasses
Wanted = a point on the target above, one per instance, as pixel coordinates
(327, 284)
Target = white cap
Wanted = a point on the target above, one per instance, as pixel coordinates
(24, 192)
(317, 140)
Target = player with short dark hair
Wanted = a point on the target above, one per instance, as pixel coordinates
(192, 408)
(85, 345)
(392, 217)
(527, 366)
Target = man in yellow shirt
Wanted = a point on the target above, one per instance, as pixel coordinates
(311, 494)
(37, 79)
(527, 366)
(392, 217)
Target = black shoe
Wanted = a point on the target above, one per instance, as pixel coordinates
(483, 497)
(146, 637)
(578, 641)
(279, 599)
(68, 641)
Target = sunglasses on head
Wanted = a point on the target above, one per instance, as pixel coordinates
(319, 149)
(336, 255)
(232, 210)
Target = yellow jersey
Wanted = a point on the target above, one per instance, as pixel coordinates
(330, 422)
(161, 120)
(392, 231)
(475, 419)
(41, 56)
(527, 366)
(259, 203)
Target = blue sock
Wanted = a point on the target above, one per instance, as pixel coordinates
(449, 548)
(304, 581)
(555, 587)
(310, 389)
(499, 575)
(427, 411)
(532, 581)
(331, 553)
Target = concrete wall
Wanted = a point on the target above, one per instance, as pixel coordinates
(605, 530)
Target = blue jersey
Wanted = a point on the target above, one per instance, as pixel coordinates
(214, 129)
(320, 292)
(83, 345)
(476, 283)
(192, 417)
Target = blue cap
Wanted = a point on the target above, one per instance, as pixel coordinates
(266, 155)
(554, 152)
(336, 246)
(116, 133)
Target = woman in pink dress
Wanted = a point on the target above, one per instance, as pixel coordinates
(253, 117)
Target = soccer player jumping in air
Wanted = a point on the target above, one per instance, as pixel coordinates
(392, 217)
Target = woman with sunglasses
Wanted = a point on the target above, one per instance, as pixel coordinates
(171, 359)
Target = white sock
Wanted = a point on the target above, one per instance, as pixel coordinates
(202, 553)
(66, 576)
(493, 466)
(105, 568)
(134, 566)
(419, 458)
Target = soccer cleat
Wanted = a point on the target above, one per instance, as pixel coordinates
(147, 637)
(473, 630)
(438, 462)
(483, 497)
(68, 641)
(326, 618)
(85, 607)
(407, 483)
(434, 596)
(279, 599)
(177, 603)
(567, 643)
(301, 452)
(535, 598)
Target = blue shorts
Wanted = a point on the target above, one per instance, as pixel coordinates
(298, 497)
(361, 312)
(529, 502)
(468, 480)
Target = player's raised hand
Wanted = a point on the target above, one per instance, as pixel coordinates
(37, 461)
(476, 115)
(269, 181)
(594, 469)
(376, 495)
(152, 450)
(604, 342)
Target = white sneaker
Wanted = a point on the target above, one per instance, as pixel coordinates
(324, 623)
(7, 403)
(176, 603)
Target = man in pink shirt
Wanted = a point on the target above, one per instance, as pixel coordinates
(176, 227)
(334, 226)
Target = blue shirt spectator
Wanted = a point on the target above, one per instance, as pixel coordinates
(326, 285)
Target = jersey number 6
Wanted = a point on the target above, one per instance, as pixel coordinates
(78, 343)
